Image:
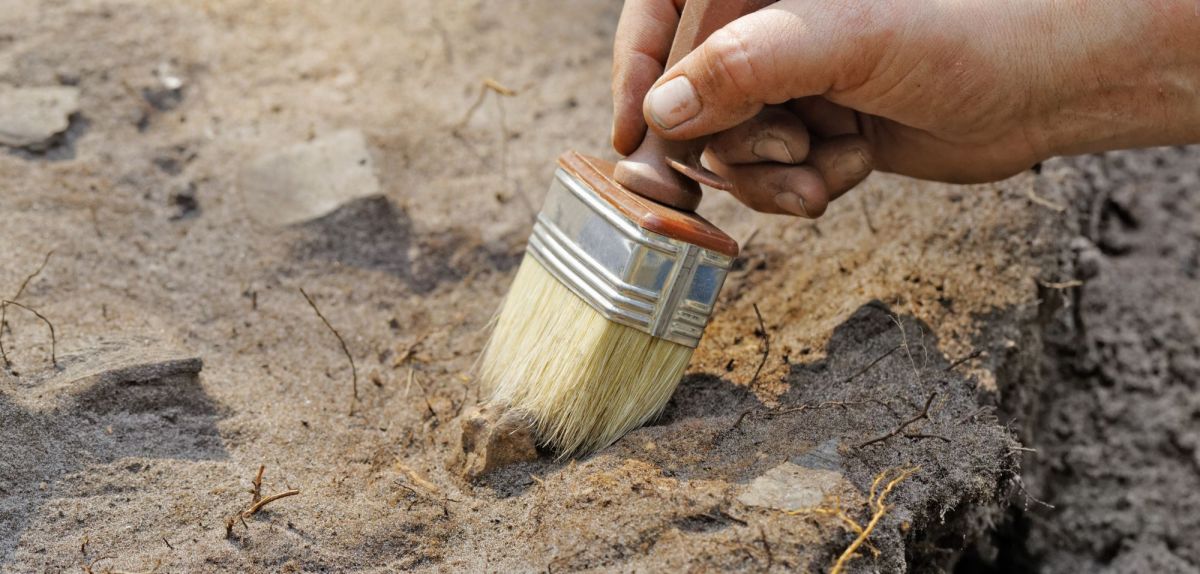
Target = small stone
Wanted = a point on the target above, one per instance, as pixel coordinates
(309, 180)
(32, 117)
(808, 481)
(493, 437)
(792, 487)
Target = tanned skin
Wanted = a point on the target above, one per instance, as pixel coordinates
(806, 97)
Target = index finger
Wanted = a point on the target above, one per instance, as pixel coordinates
(640, 52)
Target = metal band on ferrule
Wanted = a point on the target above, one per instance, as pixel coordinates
(661, 286)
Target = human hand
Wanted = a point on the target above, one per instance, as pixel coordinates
(805, 97)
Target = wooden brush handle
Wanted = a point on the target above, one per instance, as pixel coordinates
(668, 171)
(653, 216)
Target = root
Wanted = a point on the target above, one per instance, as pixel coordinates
(876, 504)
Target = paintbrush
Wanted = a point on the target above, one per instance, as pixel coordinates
(618, 282)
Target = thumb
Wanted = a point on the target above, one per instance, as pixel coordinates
(793, 49)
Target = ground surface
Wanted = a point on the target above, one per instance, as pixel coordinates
(128, 454)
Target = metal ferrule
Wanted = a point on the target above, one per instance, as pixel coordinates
(661, 286)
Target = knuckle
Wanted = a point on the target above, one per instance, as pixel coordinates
(730, 64)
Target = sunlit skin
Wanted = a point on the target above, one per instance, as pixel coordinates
(807, 97)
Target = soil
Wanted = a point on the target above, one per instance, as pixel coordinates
(1117, 467)
(185, 356)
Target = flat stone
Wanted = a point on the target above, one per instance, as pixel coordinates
(792, 487)
(807, 481)
(32, 117)
(307, 180)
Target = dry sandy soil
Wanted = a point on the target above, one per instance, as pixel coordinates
(1049, 322)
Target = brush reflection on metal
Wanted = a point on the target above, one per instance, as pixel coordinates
(661, 286)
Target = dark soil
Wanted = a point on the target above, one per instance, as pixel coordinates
(1117, 470)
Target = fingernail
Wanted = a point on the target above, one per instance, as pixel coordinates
(673, 103)
(852, 165)
(791, 203)
(772, 149)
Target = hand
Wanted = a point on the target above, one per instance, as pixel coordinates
(805, 97)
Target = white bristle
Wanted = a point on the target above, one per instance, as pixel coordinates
(583, 380)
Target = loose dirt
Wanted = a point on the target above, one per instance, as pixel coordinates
(188, 357)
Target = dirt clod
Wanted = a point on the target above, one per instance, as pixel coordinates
(493, 438)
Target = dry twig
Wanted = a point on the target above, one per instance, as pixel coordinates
(863, 370)
(976, 353)
(342, 342)
(256, 492)
(923, 415)
(20, 291)
(256, 504)
(31, 276)
(268, 500)
(867, 215)
(53, 338)
(762, 328)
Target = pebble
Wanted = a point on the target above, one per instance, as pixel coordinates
(32, 117)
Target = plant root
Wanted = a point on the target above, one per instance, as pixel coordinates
(877, 506)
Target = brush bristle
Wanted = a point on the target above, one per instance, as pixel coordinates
(583, 380)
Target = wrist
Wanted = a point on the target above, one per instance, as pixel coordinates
(1124, 74)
